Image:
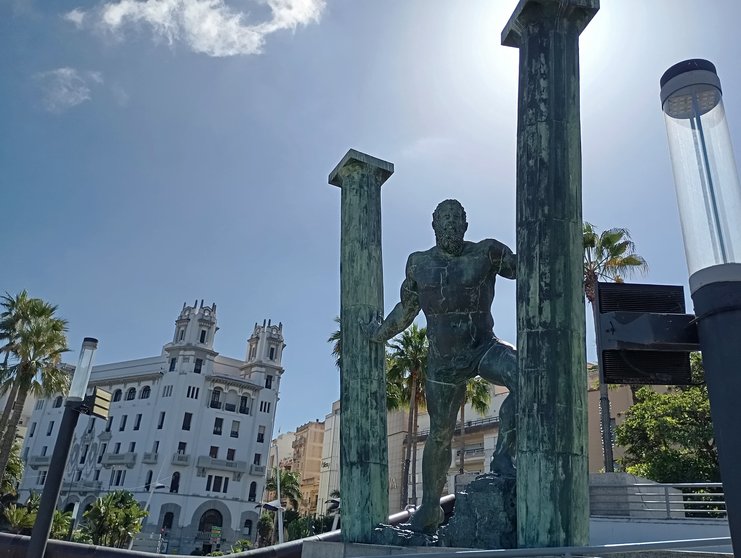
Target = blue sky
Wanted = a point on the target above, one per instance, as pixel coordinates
(157, 152)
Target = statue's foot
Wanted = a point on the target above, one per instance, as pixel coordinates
(502, 465)
(427, 519)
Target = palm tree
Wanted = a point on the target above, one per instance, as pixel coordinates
(113, 519)
(608, 256)
(336, 340)
(479, 396)
(408, 365)
(19, 518)
(13, 471)
(60, 525)
(35, 340)
(290, 486)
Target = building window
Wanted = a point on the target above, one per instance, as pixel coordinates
(161, 421)
(117, 448)
(83, 457)
(43, 450)
(137, 422)
(226, 484)
(117, 395)
(109, 424)
(260, 433)
(39, 404)
(213, 452)
(25, 453)
(167, 521)
(192, 392)
(148, 482)
(269, 381)
(217, 484)
(181, 448)
(90, 425)
(122, 424)
(198, 366)
(120, 477)
(156, 446)
(173, 362)
(247, 528)
(272, 353)
(265, 406)
(253, 492)
(175, 482)
(58, 402)
(102, 451)
(132, 447)
(230, 454)
(78, 475)
(97, 474)
(208, 482)
(50, 428)
(235, 429)
(145, 393)
(257, 459)
(215, 399)
(203, 336)
(42, 478)
(167, 391)
(181, 334)
(244, 405)
(32, 430)
(186, 420)
(131, 394)
(218, 424)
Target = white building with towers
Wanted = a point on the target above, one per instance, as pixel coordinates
(188, 434)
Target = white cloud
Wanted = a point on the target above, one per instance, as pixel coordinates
(207, 26)
(65, 88)
(76, 16)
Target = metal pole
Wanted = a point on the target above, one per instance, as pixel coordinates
(53, 484)
(280, 505)
(552, 487)
(363, 447)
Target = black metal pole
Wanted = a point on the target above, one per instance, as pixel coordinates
(718, 311)
(53, 484)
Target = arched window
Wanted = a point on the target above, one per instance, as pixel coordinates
(253, 492)
(210, 518)
(175, 483)
(167, 521)
(216, 398)
(145, 392)
(131, 394)
(117, 395)
(148, 483)
(247, 530)
(69, 507)
(58, 402)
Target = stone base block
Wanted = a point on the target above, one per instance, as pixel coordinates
(322, 549)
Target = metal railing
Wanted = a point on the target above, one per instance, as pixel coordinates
(659, 501)
(469, 424)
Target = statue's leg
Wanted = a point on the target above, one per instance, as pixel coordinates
(443, 403)
(499, 366)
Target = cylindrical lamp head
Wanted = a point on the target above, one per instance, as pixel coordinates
(78, 388)
(705, 176)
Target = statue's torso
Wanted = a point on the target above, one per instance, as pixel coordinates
(455, 293)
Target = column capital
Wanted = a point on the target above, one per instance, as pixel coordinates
(354, 159)
(582, 11)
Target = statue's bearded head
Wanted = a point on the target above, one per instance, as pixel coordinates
(449, 224)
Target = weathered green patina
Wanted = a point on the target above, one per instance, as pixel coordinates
(363, 445)
(552, 483)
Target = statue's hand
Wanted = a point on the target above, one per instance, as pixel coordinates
(371, 329)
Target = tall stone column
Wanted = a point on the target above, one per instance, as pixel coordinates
(363, 441)
(552, 468)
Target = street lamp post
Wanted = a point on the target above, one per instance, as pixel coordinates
(709, 199)
(72, 408)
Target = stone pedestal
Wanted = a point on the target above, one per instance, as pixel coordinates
(485, 515)
(363, 443)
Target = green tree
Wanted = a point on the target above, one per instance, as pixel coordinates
(265, 530)
(242, 545)
(13, 471)
(408, 366)
(113, 519)
(668, 437)
(33, 340)
(290, 486)
(608, 256)
(336, 340)
(479, 396)
(19, 518)
(60, 525)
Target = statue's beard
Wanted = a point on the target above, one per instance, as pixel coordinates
(450, 242)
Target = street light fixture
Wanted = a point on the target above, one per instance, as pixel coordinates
(709, 199)
(75, 404)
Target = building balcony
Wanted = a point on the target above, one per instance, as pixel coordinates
(36, 461)
(231, 407)
(105, 436)
(150, 457)
(257, 470)
(182, 459)
(127, 459)
(216, 404)
(81, 486)
(244, 410)
(221, 464)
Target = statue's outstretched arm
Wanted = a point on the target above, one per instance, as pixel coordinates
(507, 261)
(403, 314)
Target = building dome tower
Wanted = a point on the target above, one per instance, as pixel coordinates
(191, 349)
